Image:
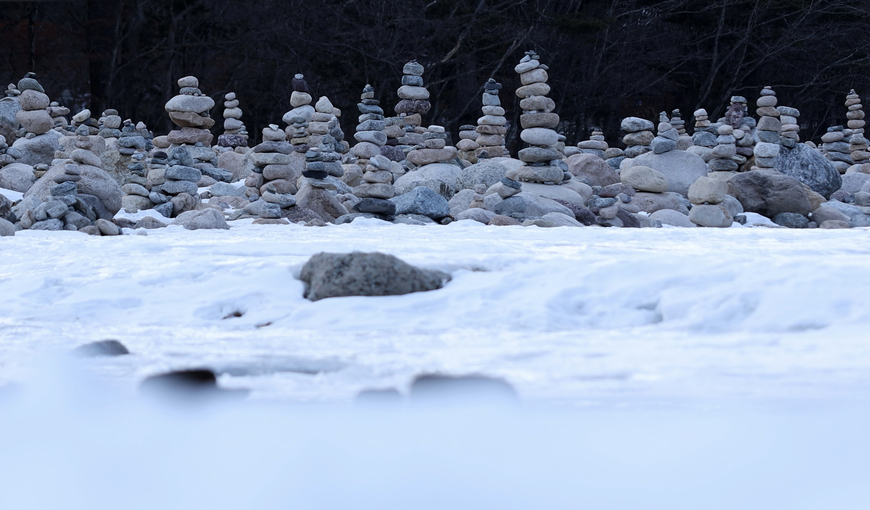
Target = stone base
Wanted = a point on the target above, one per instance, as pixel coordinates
(540, 174)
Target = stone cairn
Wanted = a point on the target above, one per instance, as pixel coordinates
(131, 141)
(414, 97)
(376, 188)
(743, 124)
(432, 149)
(725, 151)
(178, 191)
(235, 133)
(836, 148)
(613, 157)
(298, 118)
(858, 144)
(467, 145)
(666, 137)
(325, 121)
(189, 111)
(707, 195)
(638, 136)
(58, 115)
(369, 134)
(110, 124)
(491, 127)
(596, 144)
(542, 162)
(272, 166)
(768, 130)
(684, 141)
(5, 157)
(33, 115)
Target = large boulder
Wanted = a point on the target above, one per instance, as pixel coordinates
(17, 177)
(95, 181)
(856, 215)
(322, 201)
(328, 275)
(680, 168)
(203, 219)
(652, 202)
(442, 178)
(527, 205)
(423, 201)
(39, 149)
(809, 166)
(769, 192)
(486, 172)
(592, 169)
(852, 183)
(560, 193)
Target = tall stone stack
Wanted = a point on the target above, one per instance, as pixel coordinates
(189, 111)
(684, 141)
(377, 185)
(790, 134)
(638, 136)
(596, 144)
(467, 145)
(235, 133)
(131, 140)
(743, 125)
(768, 130)
(667, 136)
(179, 188)
(110, 123)
(33, 115)
(325, 112)
(369, 133)
(707, 195)
(413, 95)
(858, 144)
(491, 127)
(272, 164)
(725, 151)
(298, 118)
(542, 162)
(836, 148)
(702, 120)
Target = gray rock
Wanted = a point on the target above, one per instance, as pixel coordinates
(440, 177)
(6, 228)
(852, 183)
(37, 150)
(322, 202)
(652, 202)
(856, 216)
(680, 168)
(424, 201)
(527, 205)
(328, 275)
(52, 224)
(769, 193)
(101, 348)
(809, 166)
(223, 189)
(178, 187)
(592, 169)
(477, 214)
(485, 172)
(826, 212)
(17, 177)
(204, 219)
(791, 220)
(671, 217)
(733, 206)
(107, 228)
(635, 124)
(461, 201)
(183, 173)
(710, 216)
(95, 181)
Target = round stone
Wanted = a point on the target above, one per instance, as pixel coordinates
(540, 136)
(188, 81)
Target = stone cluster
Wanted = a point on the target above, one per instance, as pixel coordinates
(377, 188)
(836, 148)
(58, 115)
(790, 134)
(725, 151)
(189, 111)
(467, 145)
(273, 165)
(174, 182)
(542, 161)
(33, 115)
(638, 136)
(595, 145)
(235, 133)
(298, 118)
(370, 135)
(491, 127)
(858, 143)
(684, 141)
(132, 140)
(666, 137)
(433, 148)
(768, 130)
(325, 122)
(414, 97)
(707, 195)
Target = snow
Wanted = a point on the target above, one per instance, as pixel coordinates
(656, 368)
(14, 196)
(578, 316)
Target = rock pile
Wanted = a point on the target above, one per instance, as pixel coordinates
(433, 148)
(298, 118)
(858, 144)
(667, 137)
(790, 134)
(235, 133)
(707, 195)
(177, 191)
(369, 134)
(725, 152)
(836, 148)
(58, 115)
(110, 124)
(768, 130)
(33, 115)
(685, 141)
(189, 111)
(325, 121)
(492, 126)
(376, 188)
(131, 140)
(638, 136)
(414, 97)
(467, 145)
(542, 162)
(595, 145)
(273, 166)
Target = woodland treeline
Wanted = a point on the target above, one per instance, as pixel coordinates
(607, 59)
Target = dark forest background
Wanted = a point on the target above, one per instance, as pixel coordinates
(607, 59)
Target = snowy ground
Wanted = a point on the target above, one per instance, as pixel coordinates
(658, 369)
(582, 316)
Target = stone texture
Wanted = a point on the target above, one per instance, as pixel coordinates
(592, 169)
(809, 166)
(423, 201)
(643, 178)
(680, 168)
(328, 275)
(769, 193)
